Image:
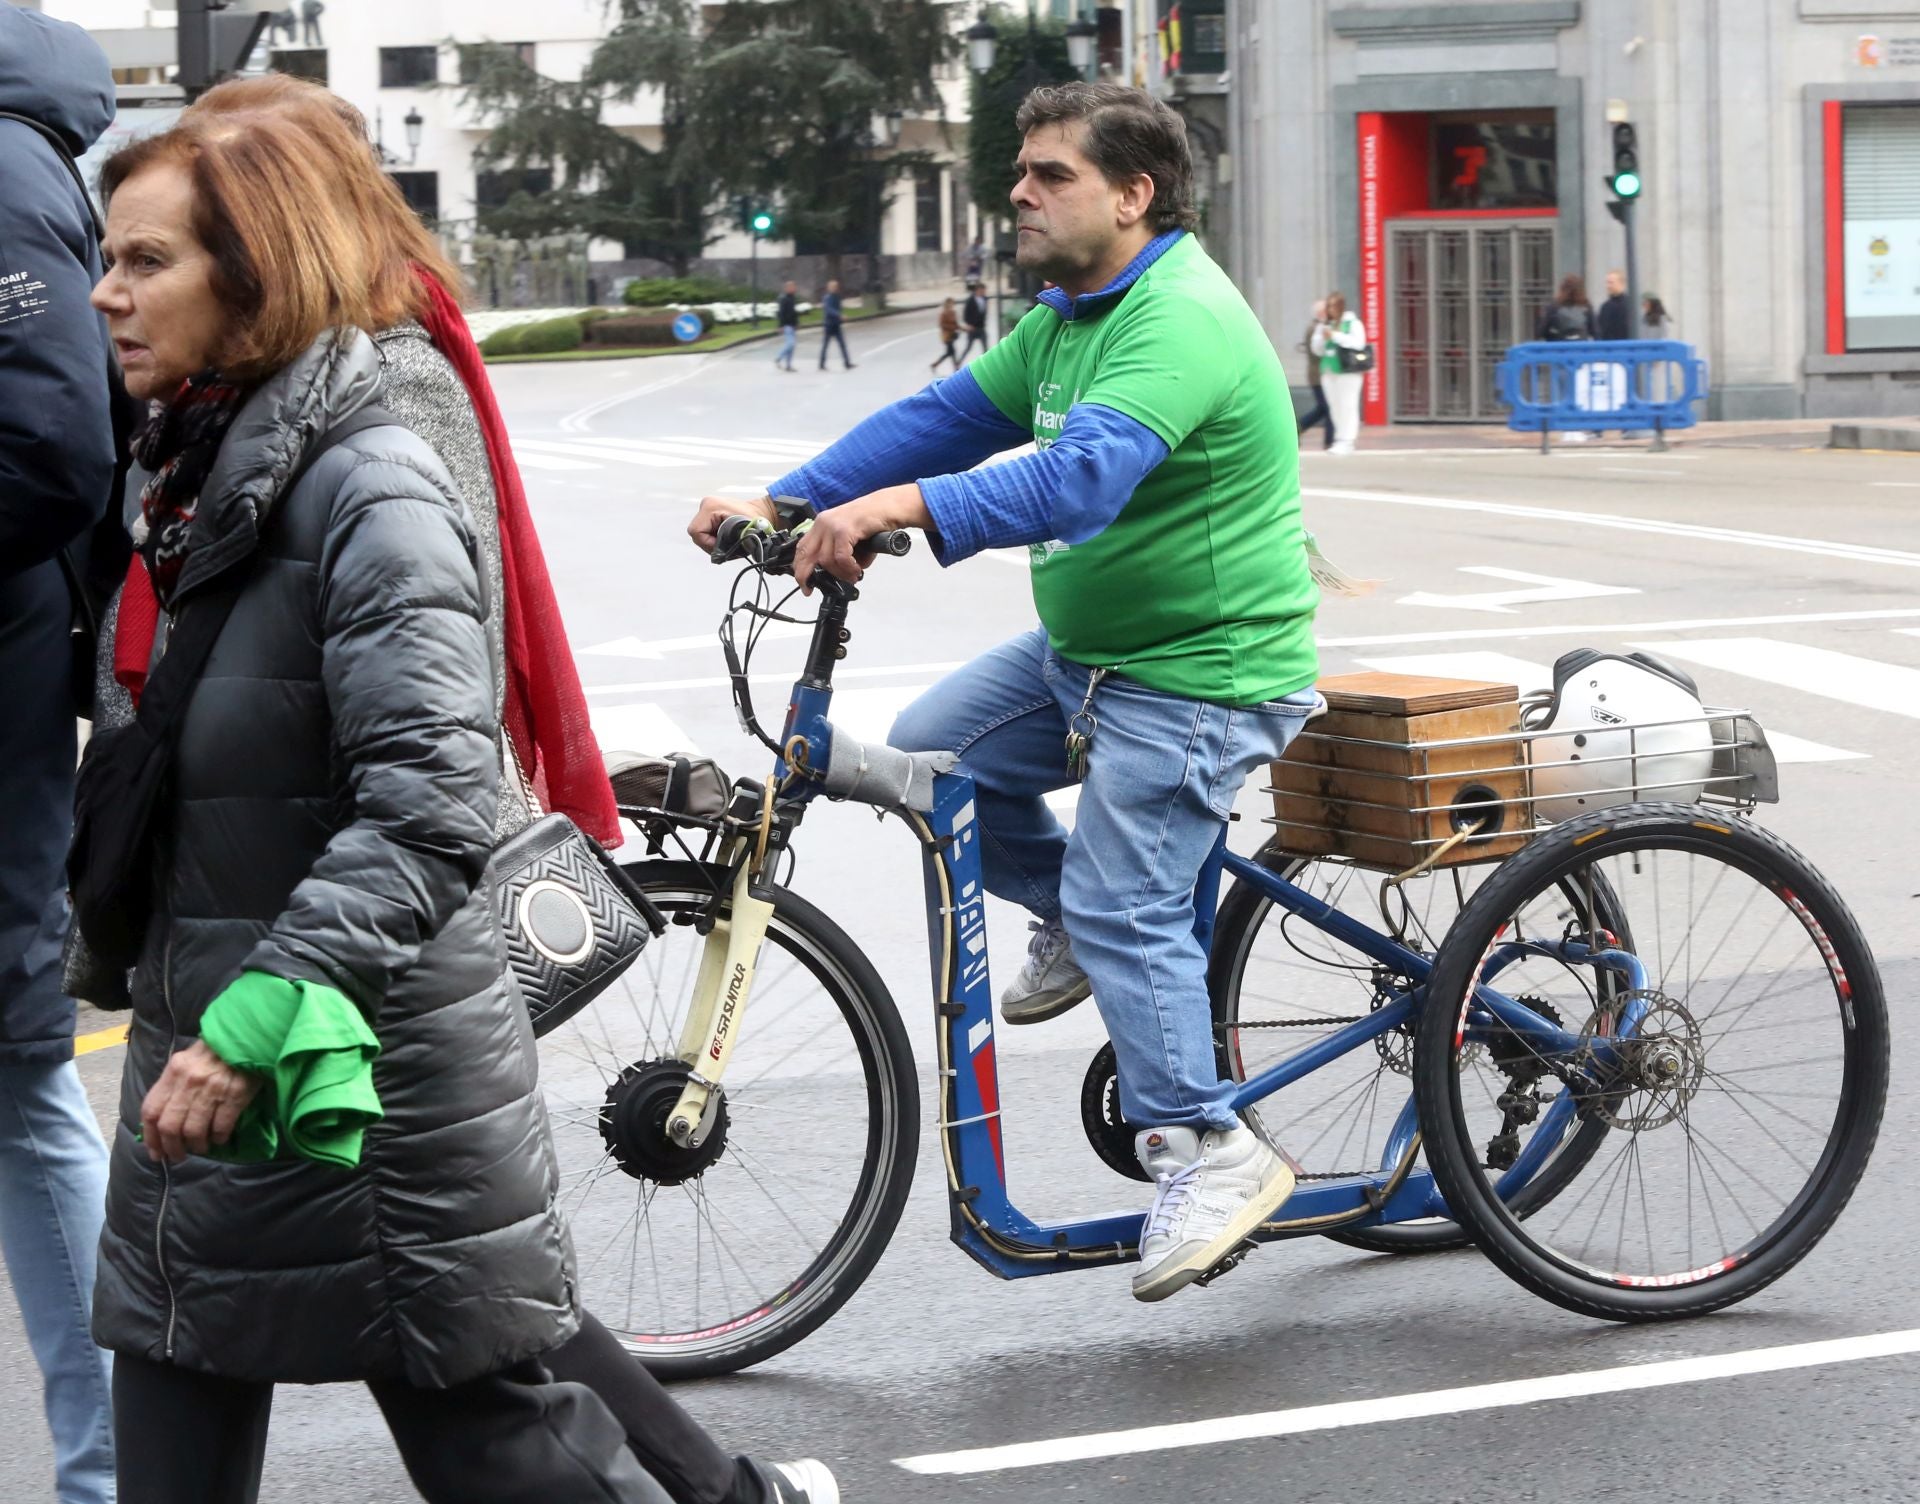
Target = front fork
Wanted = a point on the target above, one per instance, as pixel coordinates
(720, 993)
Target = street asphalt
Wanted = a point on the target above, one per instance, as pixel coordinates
(1783, 577)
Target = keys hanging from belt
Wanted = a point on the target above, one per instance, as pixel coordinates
(1081, 726)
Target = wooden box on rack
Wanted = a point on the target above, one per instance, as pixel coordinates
(1363, 781)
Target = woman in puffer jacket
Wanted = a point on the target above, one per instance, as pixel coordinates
(331, 1162)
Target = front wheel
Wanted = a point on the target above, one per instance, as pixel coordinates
(709, 1259)
(1736, 1084)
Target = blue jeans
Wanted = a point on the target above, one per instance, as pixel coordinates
(789, 337)
(53, 1197)
(1161, 782)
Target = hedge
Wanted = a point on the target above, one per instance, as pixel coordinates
(655, 292)
(643, 328)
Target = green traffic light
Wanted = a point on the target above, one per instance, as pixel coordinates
(1626, 184)
(762, 223)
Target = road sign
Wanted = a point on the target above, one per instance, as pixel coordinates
(688, 328)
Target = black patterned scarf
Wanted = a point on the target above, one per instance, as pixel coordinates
(177, 444)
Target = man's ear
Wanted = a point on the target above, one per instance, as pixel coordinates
(1136, 199)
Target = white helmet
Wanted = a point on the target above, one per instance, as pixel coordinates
(1667, 754)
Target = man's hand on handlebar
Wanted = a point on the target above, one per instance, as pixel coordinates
(714, 509)
(836, 541)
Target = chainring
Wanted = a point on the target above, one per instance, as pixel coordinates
(1110, 1134)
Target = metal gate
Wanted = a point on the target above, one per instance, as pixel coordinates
(1458, 294)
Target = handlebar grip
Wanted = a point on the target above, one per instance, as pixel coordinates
(895, 541)
(727, 536)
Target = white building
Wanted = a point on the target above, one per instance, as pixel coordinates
(398, 62)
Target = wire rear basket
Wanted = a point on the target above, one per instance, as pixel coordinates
(1385, 792)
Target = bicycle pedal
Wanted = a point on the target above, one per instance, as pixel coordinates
(1228, 1263)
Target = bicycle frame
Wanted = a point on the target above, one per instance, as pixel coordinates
(985, 1220)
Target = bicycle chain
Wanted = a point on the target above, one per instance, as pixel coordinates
(1297, 1023)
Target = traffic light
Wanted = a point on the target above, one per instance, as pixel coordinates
(214, 43)
(1625, 181)
(762, 222)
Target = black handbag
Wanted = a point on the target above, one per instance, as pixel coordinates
(1354, 362)
(571, 917)
(127, 771)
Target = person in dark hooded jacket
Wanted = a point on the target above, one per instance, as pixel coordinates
(56, 471)
(332, 1162)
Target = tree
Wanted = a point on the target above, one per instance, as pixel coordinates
(992, 140)
(770, 98)
(656, 203)
(794, 88)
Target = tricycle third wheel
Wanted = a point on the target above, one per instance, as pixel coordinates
(1726, 1066)
(1280, 985)
(710, 1257)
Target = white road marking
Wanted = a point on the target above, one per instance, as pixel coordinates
(1637, 470)
(548, 461)
(867, 715)
(1524, 674)
(581, 420)
(1492, 668)
(602, 451)
(1901, 484)
(1540, 588)
(1814, 671)
(1908, 631)
(638, 728)
(658, 686)
(1418, 1406)
(1858, 552)
(659, 647)
(1620, 629)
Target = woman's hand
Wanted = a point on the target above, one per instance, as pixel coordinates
(194, 1105)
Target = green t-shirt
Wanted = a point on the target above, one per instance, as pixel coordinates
(1200, 587)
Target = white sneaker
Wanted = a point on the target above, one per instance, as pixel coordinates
(804, 1482)
(1050, 983)
(1215, 1188)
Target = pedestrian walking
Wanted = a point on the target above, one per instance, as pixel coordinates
(788, 317)
(1337, 341)
(1570, 315)
(1656, 321)
(322, 1015)
(949, 335)
(973, 317)
(976, 261)
(831, 319)
(1319, 415)
(437, 385)
(1614, 321)
(56, 479)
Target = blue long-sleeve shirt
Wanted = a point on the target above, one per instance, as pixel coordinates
(1070, 490)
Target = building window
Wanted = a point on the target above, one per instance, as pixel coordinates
(421, 190)
(1493, 159)
(300, 62)
(1880, 231)
(408, 67)
(491, 190)
(525, 51)
(926, 209)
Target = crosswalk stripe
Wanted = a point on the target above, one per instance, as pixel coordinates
(599, 451)
(638, 728)
(549, 461)
(1814, 671)
(742, 448)
(1500, 668)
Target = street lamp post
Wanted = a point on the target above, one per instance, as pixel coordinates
(415, 124)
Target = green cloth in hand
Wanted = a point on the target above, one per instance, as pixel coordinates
(316, 1053)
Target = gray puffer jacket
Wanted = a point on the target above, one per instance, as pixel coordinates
(331, 820)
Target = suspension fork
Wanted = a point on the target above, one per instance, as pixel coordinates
(721, 989)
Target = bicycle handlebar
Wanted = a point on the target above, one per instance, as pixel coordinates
(773, 552)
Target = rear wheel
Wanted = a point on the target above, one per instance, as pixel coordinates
(709, 1259)
(1279, 985)
(1738, 1090)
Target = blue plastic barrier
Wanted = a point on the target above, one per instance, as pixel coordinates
(1627, 384)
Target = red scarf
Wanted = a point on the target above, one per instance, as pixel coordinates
(545, 716)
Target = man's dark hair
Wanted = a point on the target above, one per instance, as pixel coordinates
(1128, 132)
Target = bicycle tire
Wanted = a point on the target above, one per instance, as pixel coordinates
(1241, 915)
(885, 1177)
(1642, 832)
